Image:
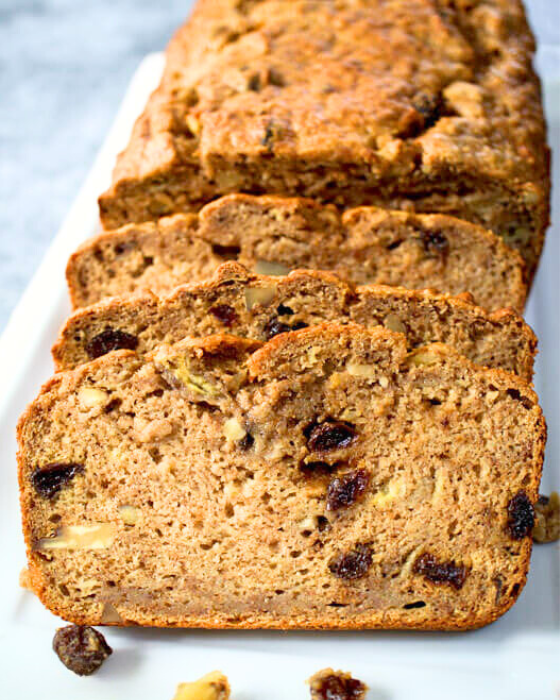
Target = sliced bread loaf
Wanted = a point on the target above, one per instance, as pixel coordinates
(256, 306)
(273, 234)
(327, 478)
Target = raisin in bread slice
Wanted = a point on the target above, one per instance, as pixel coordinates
(327, 478)
(260, 307)
(271, 234)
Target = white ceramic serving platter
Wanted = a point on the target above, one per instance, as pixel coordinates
(517, 658)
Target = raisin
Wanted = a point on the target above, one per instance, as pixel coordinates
(81, 649)
(275, 327)
(48, 480)
(332, 685)
(521, 516)
(440, 572)
(310, 469)
(109, 340)
(246, 442)
(352, 565)
(283, 310)
(435, 243)
(345, 490)
(330, 435)
(224, 313)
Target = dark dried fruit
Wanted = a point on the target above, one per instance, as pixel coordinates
(435, 243)
(440, 572)
(352, 565)
(225, 314)
(275, 327)
(246, 442)
(335, 685)
(48, 480)
(283, 310)
(345, 490)
(521, 516)
(311, 469)
(109, 340)
(331, 435)
(81, 649)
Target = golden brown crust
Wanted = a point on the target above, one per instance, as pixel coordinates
(500, 339)
(366, 245)
(254, 100)
(288, 356)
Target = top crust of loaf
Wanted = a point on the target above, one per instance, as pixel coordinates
(276, 97)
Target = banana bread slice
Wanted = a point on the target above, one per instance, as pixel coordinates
(365, 245)
(327, 478)
(257, 306)
(415, 104)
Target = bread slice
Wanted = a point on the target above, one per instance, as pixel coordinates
(327, 478)
(260, 307)
(365, 246)
(415, 104)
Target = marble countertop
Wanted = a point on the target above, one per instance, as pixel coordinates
(64, 68)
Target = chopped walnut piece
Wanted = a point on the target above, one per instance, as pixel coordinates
(547, 519)
(212, 686)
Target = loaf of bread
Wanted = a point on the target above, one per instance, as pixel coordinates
(415, 104)
(365, 245)
(327, 478)
(256, 306)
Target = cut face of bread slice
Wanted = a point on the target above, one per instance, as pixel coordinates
(327, 478)
(404, 104)
(275, 235)
(260, 307)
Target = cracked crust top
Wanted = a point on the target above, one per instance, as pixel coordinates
(426, 104)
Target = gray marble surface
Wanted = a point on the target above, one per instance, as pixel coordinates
(63, 70)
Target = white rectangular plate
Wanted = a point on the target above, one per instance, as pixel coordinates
(517, 658)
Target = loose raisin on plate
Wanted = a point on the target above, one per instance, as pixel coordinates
(352, 565)
(330, 435)
(336, 685)
(521, 516)
(81, 649)
(440, 572)
(48, 480)
(224, 313)
(435, 243)
(346, 489)
(108, 340)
